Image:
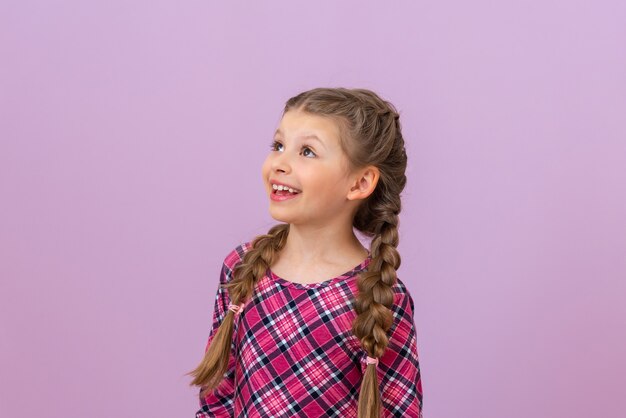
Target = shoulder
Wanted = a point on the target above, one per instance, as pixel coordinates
(234, 257)
(402, 295)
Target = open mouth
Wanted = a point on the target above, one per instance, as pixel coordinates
(281, 190)
(284, 192)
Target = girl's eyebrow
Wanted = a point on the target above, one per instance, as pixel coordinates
(309, 136)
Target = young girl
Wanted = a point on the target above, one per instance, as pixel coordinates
(307, 322)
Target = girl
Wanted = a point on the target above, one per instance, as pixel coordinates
(307, 322)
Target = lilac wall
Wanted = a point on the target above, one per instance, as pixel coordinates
(131, 141)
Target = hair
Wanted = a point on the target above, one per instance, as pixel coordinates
(370, 134)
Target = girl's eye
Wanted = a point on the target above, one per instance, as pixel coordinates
(274, 144)
(304, 147)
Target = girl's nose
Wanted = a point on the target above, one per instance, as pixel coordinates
(281, 162)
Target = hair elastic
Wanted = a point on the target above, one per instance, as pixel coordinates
(236, 308)
(372, 360)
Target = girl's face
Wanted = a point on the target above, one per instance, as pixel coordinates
(305, 154)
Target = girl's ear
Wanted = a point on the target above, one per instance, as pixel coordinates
(364, 183)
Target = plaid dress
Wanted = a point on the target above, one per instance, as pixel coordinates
(294, 354)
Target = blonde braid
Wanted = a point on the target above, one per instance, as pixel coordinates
(373, 306)
(252, 267)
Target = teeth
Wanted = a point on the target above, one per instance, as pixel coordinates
(281, 187)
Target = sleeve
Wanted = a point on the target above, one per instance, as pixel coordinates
(220, 403)
(398, 369)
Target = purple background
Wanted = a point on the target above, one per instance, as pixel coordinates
(132, 135)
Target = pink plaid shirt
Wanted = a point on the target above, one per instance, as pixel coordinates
(294, 354)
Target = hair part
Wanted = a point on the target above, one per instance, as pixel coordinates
(370, 134)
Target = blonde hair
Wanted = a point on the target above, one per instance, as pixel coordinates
(370, 135)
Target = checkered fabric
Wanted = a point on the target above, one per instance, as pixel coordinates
(294, 354)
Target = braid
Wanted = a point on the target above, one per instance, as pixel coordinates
(373, 306)
(378, 217)
(246, 273)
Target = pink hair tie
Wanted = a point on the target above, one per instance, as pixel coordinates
(372, 360)
(236, 308)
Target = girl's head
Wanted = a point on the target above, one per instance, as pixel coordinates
(334, 145)
(353, 172)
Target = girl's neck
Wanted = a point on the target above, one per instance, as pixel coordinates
(322, 245)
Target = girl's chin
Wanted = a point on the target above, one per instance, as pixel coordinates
(283, 219)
